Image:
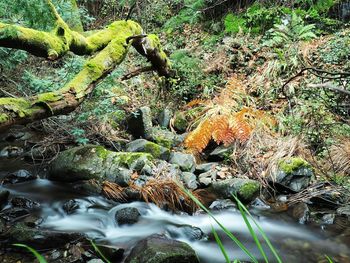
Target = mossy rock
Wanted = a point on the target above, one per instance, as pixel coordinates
(157, 249)
(180, 122)
(94, 162)
(246, 189)
(292, 164)
(142, 145)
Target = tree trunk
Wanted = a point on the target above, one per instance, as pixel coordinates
(112, 43)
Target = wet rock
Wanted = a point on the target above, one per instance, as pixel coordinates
(185, 232)
(344, 211)
(127, 216)
(94, 162)
(142, 145)
(328, 219)
(11, 151)
(259, 204)
(89, 187)
(205, 167)
(220, 153)
(190, 180)
(164, 118)
(37, 238)
(157, 249)
(222, 204)
(245, 189)
(4, 195)
(301, 212)
(19, 176)
(70, 206)
(111, 253)
(186, 162)
(23, 202)
(95, 260)
(294, 173)
(140, 123)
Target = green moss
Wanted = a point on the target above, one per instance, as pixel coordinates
(292, 164)
(48, 97)
(102, 152)
(128, 158)
(180, 123)
(4, 118)
(248, 190)
(163, 141)
(153, 149)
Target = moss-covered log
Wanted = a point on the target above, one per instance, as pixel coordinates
(112, 44)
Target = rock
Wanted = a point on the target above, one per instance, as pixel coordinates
(220, 153)
(140, 123)
(190, 180)
(207, 178)
(127, 216)
(205, 167)
(328, 219)
(23, 202)
(157, 249)
(165, 138)
(11, 151)
(245, 189)
(87, 187)
(142, 145)
(186, 162)
(111, 253)
(4, 195)
(301, 212)
(37, 238)
(164, 118)
(344, 211)
(260, 204)
(19, 176)
(223, 204)
(180, 122)
(70, 206)
(294, 173)
(123, 176)
(95, 260)
(94, 162)
(185, 232)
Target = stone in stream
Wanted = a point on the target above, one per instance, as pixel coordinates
(37, 238)
(18, 176)
(164, 118)
(294, 173)
(94, 162)
(11, 151)
(205, 167)
(188, 232)
(127, 216)
(245, 189)
(158, 249)
(23, 202)
(140, 123)
(142, 145)
(186, 162)
(4, 195)
(301, 212)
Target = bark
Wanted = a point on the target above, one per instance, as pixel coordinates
(111, 45)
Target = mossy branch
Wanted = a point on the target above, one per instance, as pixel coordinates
(112, 45)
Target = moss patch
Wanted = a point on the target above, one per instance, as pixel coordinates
(292, 164)
(248, 190)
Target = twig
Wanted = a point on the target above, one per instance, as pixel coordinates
(136, 72)
(135, 37)
(329, 86)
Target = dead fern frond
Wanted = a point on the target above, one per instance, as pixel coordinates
(113, 191)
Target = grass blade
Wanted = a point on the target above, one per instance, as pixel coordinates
(99, 252)
(39, 257)
(262, 232)
(226, 231)
(252, 233)
(221, 246)
(329, 259)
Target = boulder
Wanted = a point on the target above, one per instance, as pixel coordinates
(157, 249)
(294, 174)
(220, 153)
(186, 162)
(245, 189)
(180, 122)
(127, 216)
(301, 212)
(190, 180)
(18, 176)
(207, 178)
(142, 145)
(94, 162)
(140, 123)
(165, 137)
(164, 118)
(205, 167)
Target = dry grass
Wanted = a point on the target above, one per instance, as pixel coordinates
(340, 157)
(113, 191)
(260, 155)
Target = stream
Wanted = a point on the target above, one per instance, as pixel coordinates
(95, 217)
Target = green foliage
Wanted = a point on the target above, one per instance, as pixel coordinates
(291, 30)
(234, 24)
(79, 136)
(337, 50)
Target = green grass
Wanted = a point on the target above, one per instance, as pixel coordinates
(39, 257)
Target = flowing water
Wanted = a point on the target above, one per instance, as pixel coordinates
(95, 216)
